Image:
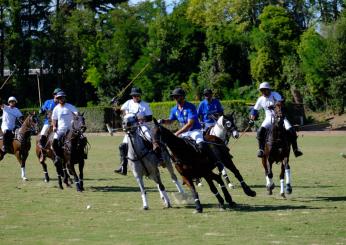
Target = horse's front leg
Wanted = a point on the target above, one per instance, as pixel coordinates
(231, 166)
(81, 173)
(188, 181)
(269, 174)
(174, 177)
(288, 175)
(163, 193)
(227, 195)
(72, 171)
(282, 179)
(21, 157)
(143, 193)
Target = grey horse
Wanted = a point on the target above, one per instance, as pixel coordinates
(142, 159)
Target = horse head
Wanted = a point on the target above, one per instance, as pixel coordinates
(78, 123)
(227, 121)
(130, 123)
(30, 124)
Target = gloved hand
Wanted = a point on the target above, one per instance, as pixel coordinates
(251, 123)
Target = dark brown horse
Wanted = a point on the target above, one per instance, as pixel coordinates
(277, 149)
(74, 146)
(192, 164)
(21, 144)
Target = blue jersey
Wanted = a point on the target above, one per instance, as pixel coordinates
(188, 112)
(205, 109)
(48, 106)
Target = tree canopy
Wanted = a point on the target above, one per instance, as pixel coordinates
(93, 49)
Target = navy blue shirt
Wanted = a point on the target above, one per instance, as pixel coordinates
(48, 106)
(205, 109)
(188, 112)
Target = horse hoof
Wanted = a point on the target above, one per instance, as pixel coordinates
(247, 190)
(168, 205)
(283, 195)
(232, 205)
(231, 186)
(221, 207)
(288, 189)
(145, 208)
(25, 178)
(198, 211)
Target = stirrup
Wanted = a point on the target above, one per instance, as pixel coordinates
(260, 153)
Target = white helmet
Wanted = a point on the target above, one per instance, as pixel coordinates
(264, 85)
(12, 98)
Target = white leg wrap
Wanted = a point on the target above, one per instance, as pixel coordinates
(23, 172)
(288, 176)
(144, 200)
(179, 187)
(269, 181)
(224, 172)
(166, 198)
(282, 183)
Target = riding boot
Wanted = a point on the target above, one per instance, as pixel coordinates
(6, 141)
(56, 148)
(293, 139)
(123, 148)
(42, 142)
(261, 137)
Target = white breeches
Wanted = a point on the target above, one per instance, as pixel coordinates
(44, 129)
(60, 133)
(268, 121)
(196, 135)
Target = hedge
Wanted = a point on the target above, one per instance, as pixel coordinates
(97, 117)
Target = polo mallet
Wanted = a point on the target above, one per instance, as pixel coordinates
(9, 77)
(39, 89)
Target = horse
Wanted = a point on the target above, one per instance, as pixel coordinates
(21, 144)
(142, 159)
(192, 164)
(77, 145)
(223, 129)
(277, 149)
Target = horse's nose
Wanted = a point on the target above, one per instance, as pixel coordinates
(236, 134)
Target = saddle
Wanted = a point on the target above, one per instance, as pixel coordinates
(192, 143)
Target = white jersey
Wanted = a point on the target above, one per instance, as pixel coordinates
(141, 109)
(266, 102)
(9, 117)
(64, 116)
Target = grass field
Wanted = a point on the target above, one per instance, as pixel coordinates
(35, 212)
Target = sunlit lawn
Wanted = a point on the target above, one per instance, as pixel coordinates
(35, 212)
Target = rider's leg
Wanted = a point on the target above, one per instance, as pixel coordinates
(293, 139)
(43, 136)
(123, 148)
(7, 140)
(261, 137)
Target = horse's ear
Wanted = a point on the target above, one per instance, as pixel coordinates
(82, 114)
(232, 114)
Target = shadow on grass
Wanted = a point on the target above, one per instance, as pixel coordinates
(118, 189)
(263, 208)
(296, 186)
(331, 199)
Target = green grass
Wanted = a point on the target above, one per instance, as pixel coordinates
(35, 212)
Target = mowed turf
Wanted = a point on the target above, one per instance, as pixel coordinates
(35, 212)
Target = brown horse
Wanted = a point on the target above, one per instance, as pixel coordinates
(192, 164)
(21, 144)
(277, 149)
(74, 152)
